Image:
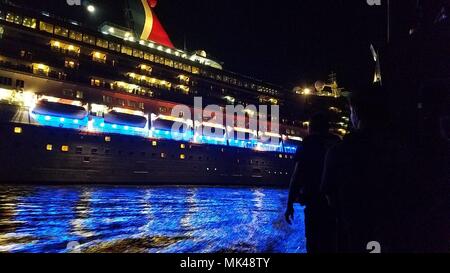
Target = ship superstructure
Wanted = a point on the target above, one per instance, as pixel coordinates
(90, 92)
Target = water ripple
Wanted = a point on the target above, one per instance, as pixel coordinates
(44, 219)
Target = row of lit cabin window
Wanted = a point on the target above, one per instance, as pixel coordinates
(154, 143)
(89, 39)
(79, 150)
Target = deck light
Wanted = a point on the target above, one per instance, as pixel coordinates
(91, 8)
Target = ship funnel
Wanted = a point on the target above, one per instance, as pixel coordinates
(146, 24)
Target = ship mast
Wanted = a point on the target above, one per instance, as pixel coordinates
(128, 15)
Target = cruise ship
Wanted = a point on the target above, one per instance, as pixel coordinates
(80, 105)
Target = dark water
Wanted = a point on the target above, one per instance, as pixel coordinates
(147, 219)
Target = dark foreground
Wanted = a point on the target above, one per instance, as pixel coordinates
(43, 219)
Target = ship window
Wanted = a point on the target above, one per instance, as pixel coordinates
(64, 148)
(154, 143)
(43, 26)
(127, 50)
(187, 68)
(70, 64)
(178, 65)
(159, 59)
(89, 39)
(114, 46)
(60, 31)
(169, 62)
(138, 54)
(64, 48)
(17, 130)
(29, 22)
(182, 156)
(195, 70)
(107, 139)
(5, 81)
(41, 69)
(107, 99)
(74, 35)
(183, 146)
(79, 95)
(20, 84)
(49, 147)
(98, 57)
(102, 43)
(10, 17)
(131, 104)
(163, 155)
(280, 156)
(18, 20)
(149, 57)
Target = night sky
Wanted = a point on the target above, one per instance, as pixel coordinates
(284, 42)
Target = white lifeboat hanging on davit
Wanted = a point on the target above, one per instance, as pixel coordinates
(126, 117)
(50, 106)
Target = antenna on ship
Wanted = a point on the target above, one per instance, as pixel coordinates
(332, 84)
(129, 15)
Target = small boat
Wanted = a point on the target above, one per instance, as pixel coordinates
(114, 117)
(48, 108)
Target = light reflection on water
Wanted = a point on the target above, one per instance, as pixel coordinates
(147, 219)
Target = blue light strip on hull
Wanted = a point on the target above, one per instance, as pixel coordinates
(61, 122)
(164, 134)
(98, 125)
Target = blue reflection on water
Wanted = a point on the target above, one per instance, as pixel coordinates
(147, 219)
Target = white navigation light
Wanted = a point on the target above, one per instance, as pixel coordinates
(91, 8)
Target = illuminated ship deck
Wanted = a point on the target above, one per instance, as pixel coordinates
(93, 124)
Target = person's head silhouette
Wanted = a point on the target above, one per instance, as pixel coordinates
(368, 108)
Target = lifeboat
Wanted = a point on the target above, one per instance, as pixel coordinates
(49, 108)
(166, 123)
(115, 117)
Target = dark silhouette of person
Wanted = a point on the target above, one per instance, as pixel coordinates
(305, 187)
(364, 178)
